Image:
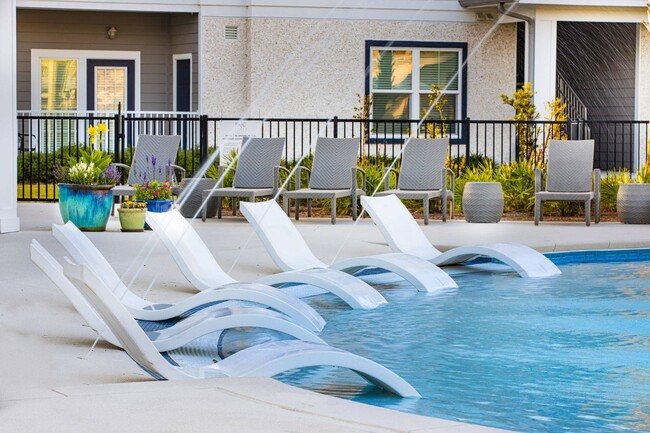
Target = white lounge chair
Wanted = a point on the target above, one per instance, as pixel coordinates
(182, 332)
(403, 234)
(290, 252)
(202, 270)
(83, 250)
(266, 359)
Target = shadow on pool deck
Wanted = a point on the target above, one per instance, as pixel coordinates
(50, 381)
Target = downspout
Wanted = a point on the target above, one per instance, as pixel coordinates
(531, 37)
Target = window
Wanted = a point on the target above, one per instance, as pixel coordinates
(110, 88)
(58, 84)
(402, 75)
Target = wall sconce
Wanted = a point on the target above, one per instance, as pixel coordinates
(111, 32)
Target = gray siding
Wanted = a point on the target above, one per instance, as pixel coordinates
(149, 33)
(185, 39)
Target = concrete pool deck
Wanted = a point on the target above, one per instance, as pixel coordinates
(50, 381)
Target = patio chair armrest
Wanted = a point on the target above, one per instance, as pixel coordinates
(221, 169)
(277, 181)
(597, 182)
(452, 176)
(122, 166)
(299, 171)
(387, 173)
(356, 170)
(538, 180)
(172, 168)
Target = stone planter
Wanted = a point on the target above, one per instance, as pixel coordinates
(132, 220)
(483, 202)
(190, 202)
(633, 203)
(87, 206)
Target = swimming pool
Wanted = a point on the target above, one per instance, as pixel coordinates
(568, 353)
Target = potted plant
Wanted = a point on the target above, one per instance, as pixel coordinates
(132, 216)
(85, 195)
(158, 195)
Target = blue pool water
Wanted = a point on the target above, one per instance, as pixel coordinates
(561, 354)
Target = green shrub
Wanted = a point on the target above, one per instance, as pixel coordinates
(609, 184)
(518, 183)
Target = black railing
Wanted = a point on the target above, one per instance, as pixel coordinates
(44, 140)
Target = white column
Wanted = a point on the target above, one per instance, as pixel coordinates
(9, 221)
(545, 62)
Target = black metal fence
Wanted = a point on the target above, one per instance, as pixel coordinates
(45, 140)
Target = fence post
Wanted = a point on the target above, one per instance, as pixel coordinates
(335, 121)
(119, 137)
(466, 136)
(203, 138)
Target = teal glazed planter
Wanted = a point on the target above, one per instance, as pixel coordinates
(159, 205)
(87, 206)
(63, 204)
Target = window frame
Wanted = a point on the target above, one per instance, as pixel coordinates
(415, 91)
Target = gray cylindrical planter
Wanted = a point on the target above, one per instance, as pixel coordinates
(633, 203)
(189, 206)
(483, 202)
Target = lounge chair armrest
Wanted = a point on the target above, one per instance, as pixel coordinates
(356, 170)
(387, 173)
(452, 177)
(597, 182)
(277, 181)
(538, 180)
(299, 171)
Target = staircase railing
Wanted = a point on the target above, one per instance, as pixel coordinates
(576, 109)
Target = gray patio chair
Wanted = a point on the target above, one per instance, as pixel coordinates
(257, 173)
(569, 177)
(153, 159)
(423, 175)
(333, 176)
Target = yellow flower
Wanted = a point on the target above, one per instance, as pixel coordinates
(102, 128)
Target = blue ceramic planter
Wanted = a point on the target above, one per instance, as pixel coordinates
(87, 206)
(159, 205)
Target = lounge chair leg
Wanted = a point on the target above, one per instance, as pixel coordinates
(596, 211)
(309, 207)
(453, 208)
(297, 211)
(219, 203)
(588, 212)
(538, 210)
(354, 209)
(425, 209)
(333, 210)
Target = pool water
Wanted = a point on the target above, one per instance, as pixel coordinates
(562, 354)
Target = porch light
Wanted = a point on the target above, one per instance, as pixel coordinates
(111, 32)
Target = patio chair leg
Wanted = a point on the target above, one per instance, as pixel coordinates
(285, 204)
(309, 207)
(333, 209)
(453, 208)
(219, 203)
(538, 210)
(297, 211)
(597, 211)
(425, 209)
(354, 209)
(588, 212)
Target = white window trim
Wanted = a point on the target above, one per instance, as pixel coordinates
(81, 56)
(415, 91)
(176, 57)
